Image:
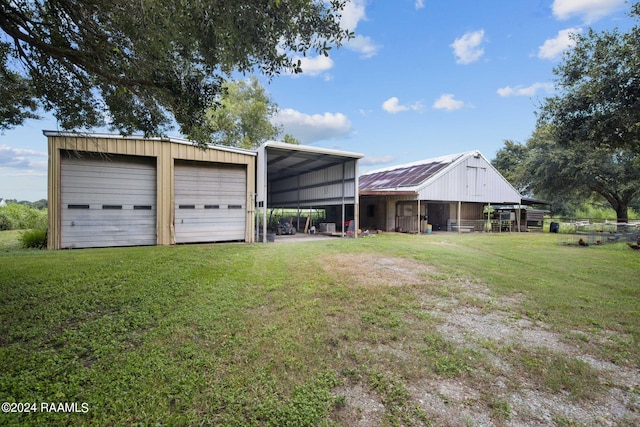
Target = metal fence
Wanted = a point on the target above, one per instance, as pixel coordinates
(585, 232)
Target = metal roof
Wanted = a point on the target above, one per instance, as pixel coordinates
(407, 175)
(79, 134)
(287, 160)
(534, 201)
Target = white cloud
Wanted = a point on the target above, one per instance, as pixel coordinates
(393, 106)
(352, 14)
(447, 102)
(467, 48)
(419, 4)
(589, 10)
(313, 66)
(364, 45)
(21, 151)
(553, 48)
(525, 91)
(19, 158)
(24, 175)
(376, 161)
(313, 127)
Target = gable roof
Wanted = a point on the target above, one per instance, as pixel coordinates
(409, 176)
(467, 177)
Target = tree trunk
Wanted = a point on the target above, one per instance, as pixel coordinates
(619, 204)
(622, 216)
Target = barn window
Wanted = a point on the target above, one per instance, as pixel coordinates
(186, 206)
(142, 207)
(234, 206)
(78, 207)
(212, 206)
(111, 206)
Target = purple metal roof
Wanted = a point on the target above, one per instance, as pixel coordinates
(404, 176)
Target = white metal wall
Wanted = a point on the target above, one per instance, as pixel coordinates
(327, 186)
(210, 202)
(473, 179)
(107, 201)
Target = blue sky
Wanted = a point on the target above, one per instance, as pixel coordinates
(423, 78)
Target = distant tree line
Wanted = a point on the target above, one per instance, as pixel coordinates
(40, 204)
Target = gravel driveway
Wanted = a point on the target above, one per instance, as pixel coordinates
(496, 327)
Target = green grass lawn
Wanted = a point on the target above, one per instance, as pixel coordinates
(265, 334)
(9, 240)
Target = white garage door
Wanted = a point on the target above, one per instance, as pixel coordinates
(107, 201)
(210, 202)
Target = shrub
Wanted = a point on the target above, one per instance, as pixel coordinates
(34, 239)
(5, 222)
(601, 212)
(23, 217)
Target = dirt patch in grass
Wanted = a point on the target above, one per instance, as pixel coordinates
(365, 270)
(361, 407)
(464, 355)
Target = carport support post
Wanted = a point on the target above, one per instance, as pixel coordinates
(264, 221)
(298, 213)
(264, 198)
(254, 199)
(459, 216)
(343, 209)
(356, 200)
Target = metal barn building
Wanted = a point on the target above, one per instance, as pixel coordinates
(108, 190)
(446, 193)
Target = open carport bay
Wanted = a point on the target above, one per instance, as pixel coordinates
(303, 178)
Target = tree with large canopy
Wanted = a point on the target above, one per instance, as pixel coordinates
(509, 161)
(599, 91)
(242, 116)
(140, 65)
(587, 138)
(560, 174)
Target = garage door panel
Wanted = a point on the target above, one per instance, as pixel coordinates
(199, 218)
(193, 232)
(210, 202)
(81, 183)
(85, 222)
(115, 186)
(108, 202)
(107, 167)
(106, 229)
(106, 198)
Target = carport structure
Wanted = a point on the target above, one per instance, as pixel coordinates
(305, 177)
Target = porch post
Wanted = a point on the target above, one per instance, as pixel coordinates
(265, 199)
